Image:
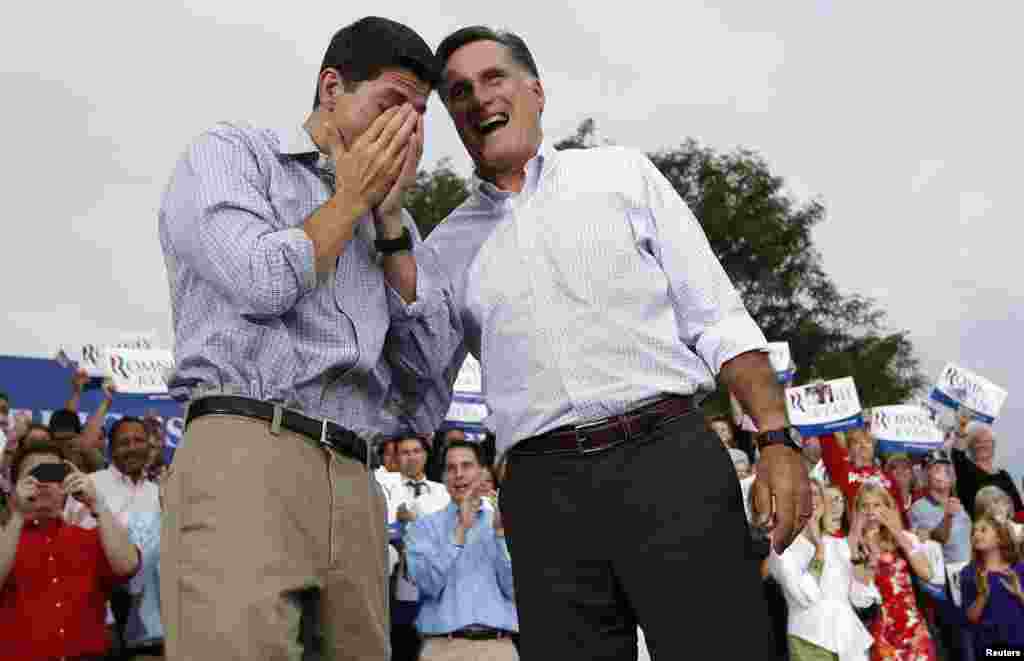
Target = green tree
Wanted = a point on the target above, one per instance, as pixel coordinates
(434, 195)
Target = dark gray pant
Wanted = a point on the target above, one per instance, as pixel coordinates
(651, 532)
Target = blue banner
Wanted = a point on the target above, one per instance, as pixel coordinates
(892, 447)
(950, 403)
(823, 428)
(40, 386)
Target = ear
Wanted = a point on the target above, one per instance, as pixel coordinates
(538, 89)
(331, 85)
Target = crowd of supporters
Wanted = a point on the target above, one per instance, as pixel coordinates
(905, 557)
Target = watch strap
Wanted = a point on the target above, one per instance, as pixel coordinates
(389, 246)
(782, 436)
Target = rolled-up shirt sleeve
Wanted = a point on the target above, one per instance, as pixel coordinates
(222, 224)
(711, 316)
(425, 341)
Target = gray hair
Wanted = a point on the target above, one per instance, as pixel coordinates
(975, 427)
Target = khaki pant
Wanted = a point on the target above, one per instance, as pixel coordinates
(254, 523)
(460, 649)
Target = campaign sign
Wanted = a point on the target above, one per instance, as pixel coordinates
(958, 389)
(91, 355)
(139, 371)
(905, 428)
(824, 408)
(467, 408)
(470, 378)
(782, 361)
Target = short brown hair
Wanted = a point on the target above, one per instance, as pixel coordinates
(26, 450)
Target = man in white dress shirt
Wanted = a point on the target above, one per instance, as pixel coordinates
(410, 498)
(589, 293)
(123, 485)
(126, 490)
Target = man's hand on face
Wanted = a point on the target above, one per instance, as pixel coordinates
(781, 495)
(366, 170)
(388, 215)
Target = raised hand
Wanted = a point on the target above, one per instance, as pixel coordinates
(388, 214)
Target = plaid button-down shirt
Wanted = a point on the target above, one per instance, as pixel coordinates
(251, 315)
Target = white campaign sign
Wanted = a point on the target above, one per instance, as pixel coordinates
(910, 426)
(91, 355)
(780, 357)
(139, 371)
(958, 388)
(466, 411)
(469, 378)
(825, 407)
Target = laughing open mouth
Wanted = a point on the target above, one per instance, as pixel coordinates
(492, 123)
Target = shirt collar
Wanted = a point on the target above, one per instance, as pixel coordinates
(540, 163)
(454, 507)
(296, 141)
(124, 479)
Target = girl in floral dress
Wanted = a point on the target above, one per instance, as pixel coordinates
(890, 555)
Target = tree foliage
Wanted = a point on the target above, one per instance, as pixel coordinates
(435, 195)
(762, 237)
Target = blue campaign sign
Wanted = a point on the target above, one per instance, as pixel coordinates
(40, 386)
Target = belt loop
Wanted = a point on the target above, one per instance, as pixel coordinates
(184, 413)
(323, 433)
(626, 429)
(275, 424)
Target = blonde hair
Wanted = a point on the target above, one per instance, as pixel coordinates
(989, 496)
(869, 489)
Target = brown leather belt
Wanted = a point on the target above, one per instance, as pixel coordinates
(607, 432)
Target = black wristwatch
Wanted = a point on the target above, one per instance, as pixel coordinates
(787, 436)
(389, 246)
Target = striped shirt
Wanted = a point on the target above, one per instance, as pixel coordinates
(592, 291)
(251, 315)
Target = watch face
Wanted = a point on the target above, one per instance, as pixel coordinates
(795, 436)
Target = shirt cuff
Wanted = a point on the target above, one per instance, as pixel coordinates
(429, 290)
(731, 336)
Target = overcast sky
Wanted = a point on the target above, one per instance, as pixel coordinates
(902, 118)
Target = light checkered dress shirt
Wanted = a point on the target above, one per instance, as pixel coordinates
(592, 291)
(250, 313)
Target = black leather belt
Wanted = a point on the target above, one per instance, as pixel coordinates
(607, 432)
(475, 632)
(339, 438)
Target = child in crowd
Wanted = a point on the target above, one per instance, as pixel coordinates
(817, 578)
(890, 555)
(993, 601)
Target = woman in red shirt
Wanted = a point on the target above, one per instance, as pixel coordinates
(56, 579)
